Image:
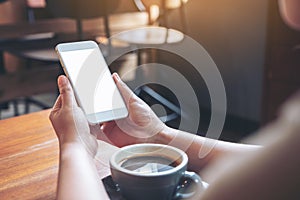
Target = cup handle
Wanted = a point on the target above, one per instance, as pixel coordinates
(189, 185)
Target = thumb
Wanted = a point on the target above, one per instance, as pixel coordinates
(125, 91)
(66, 92)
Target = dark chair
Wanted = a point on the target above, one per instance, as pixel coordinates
(33, 55)
(5, 104)
(78, 10)
(83, 9)
(2, 105)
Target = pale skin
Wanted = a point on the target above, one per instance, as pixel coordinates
(234, 171)
(290, 12)
(78, 178)
(76, 156)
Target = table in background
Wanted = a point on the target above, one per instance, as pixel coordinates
(29, 156)
(35, 42)
(39, 38)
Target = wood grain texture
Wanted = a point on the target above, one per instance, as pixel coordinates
(29, 157)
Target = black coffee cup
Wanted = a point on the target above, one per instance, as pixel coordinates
(153, 171)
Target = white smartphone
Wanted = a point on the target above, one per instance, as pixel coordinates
(95, 90)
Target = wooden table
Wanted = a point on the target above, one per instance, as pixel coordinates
(29, 156)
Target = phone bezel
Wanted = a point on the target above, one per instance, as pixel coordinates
(98, 117)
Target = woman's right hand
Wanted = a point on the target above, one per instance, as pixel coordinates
(141, 124)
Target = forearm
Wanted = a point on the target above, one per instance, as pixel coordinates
(78, 177)
(200, 150)
(271, 173)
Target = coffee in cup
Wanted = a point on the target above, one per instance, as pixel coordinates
(153, 171)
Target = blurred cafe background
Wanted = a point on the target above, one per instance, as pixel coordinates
(257, 55)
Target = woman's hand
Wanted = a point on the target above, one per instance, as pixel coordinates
(69, 122)
(141, 124)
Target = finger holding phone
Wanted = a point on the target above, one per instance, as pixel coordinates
(141, 125)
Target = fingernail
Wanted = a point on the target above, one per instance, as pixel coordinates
(117, 77)
(62, 80)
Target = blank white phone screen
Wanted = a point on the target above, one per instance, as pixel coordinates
(92, 80)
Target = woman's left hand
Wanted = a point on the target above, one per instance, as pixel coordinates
(69, 122)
